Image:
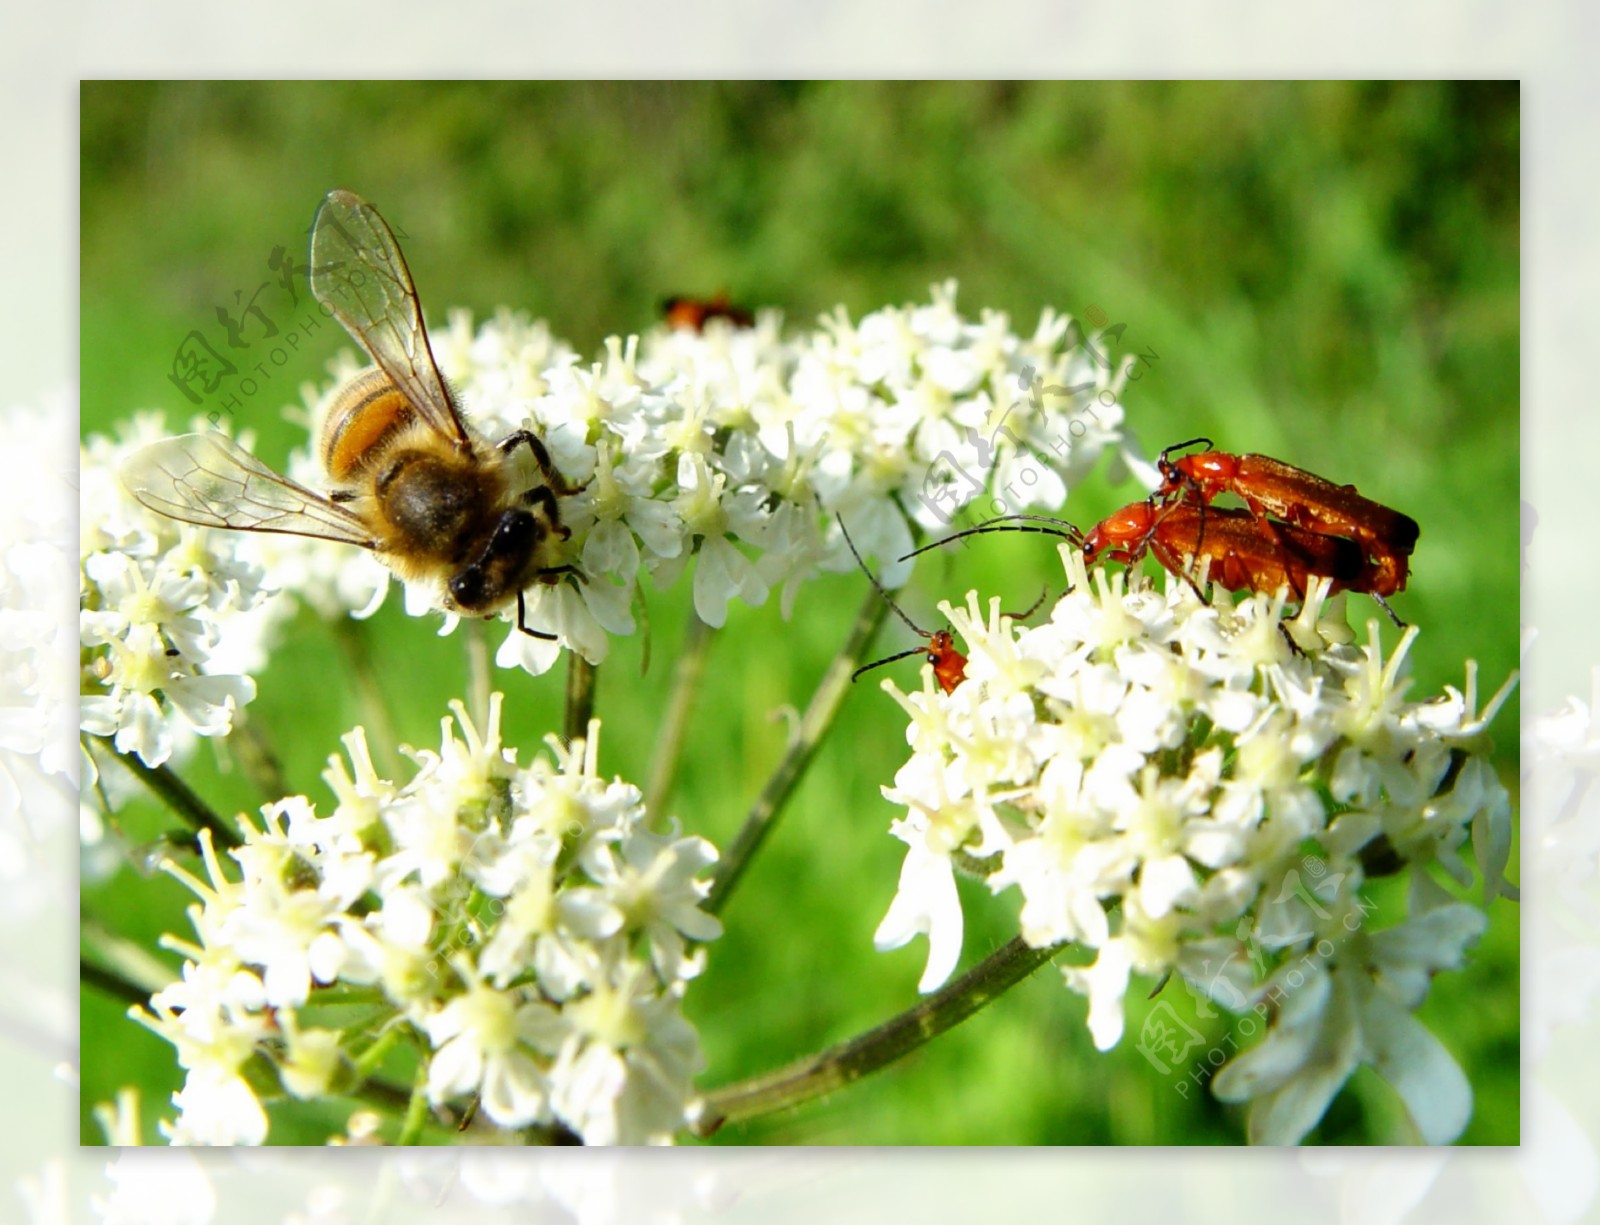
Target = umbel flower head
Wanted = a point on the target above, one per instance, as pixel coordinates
(726, 454)
(521, 927)
(1174, 787)
(731, 451)
(171, 618)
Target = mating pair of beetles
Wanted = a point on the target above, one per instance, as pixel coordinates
(1294, 525)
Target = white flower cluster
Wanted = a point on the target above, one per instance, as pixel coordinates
(1174, 787)
(1562, 842)
(171, 617)
(729, 451)
(522, 927)
(736, 448)
(38, 703)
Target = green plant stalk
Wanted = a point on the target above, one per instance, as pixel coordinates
(113, 983)
(814, 726)
(351, 638)
(177, 795)
(416, 1109)
(348, 994)
(582, 677)
(479, 682)
(118, 965)
(368, 1061)
(686, 677)
(257, 757)
(853, 1059)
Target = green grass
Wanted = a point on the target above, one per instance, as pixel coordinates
(1328, 273)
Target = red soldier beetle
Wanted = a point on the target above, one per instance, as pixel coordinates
(1271, 488)
(1242, 555)
(682, 311)
(949, 665)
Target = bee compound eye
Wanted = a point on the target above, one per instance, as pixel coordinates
(469, 587)
(502, 567)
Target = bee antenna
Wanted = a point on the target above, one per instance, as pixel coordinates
(888, 599)
(1020, 522)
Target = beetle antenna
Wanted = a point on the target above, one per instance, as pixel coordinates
(1020, 522)
(867, 668)
(888, 599)
(1166, 451)
(1031, 609)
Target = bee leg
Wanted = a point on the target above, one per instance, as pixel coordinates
(541, 457)
(543, 497)
(552, 574)
(522, 622)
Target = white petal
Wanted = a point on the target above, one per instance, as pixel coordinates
(513, 1090)
(1408, 956)
(1106, 982)
(1166, 883)
(457, 1067)
(926, 902)
(1416, 1064)
(1287, 1046)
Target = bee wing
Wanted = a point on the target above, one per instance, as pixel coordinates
(358, 273)
(208, 479)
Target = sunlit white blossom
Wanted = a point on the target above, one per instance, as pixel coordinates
(725, 454)
(157, 599)
(1175, 788)
(522, 922)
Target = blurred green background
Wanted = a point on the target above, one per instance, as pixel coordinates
(1327, 271)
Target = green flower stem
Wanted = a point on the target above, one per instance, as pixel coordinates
(352, 640)
(346, 995)
(368, 1061)
(257, 756)
(581, 680)
(118, 965)
(416, 1109)
(177, 795)
(384, 1098)
(686, 677)
(112, 983)
(853, 1059)
(479, 682)
(814, 726)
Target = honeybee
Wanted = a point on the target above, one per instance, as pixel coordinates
(409, 478)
